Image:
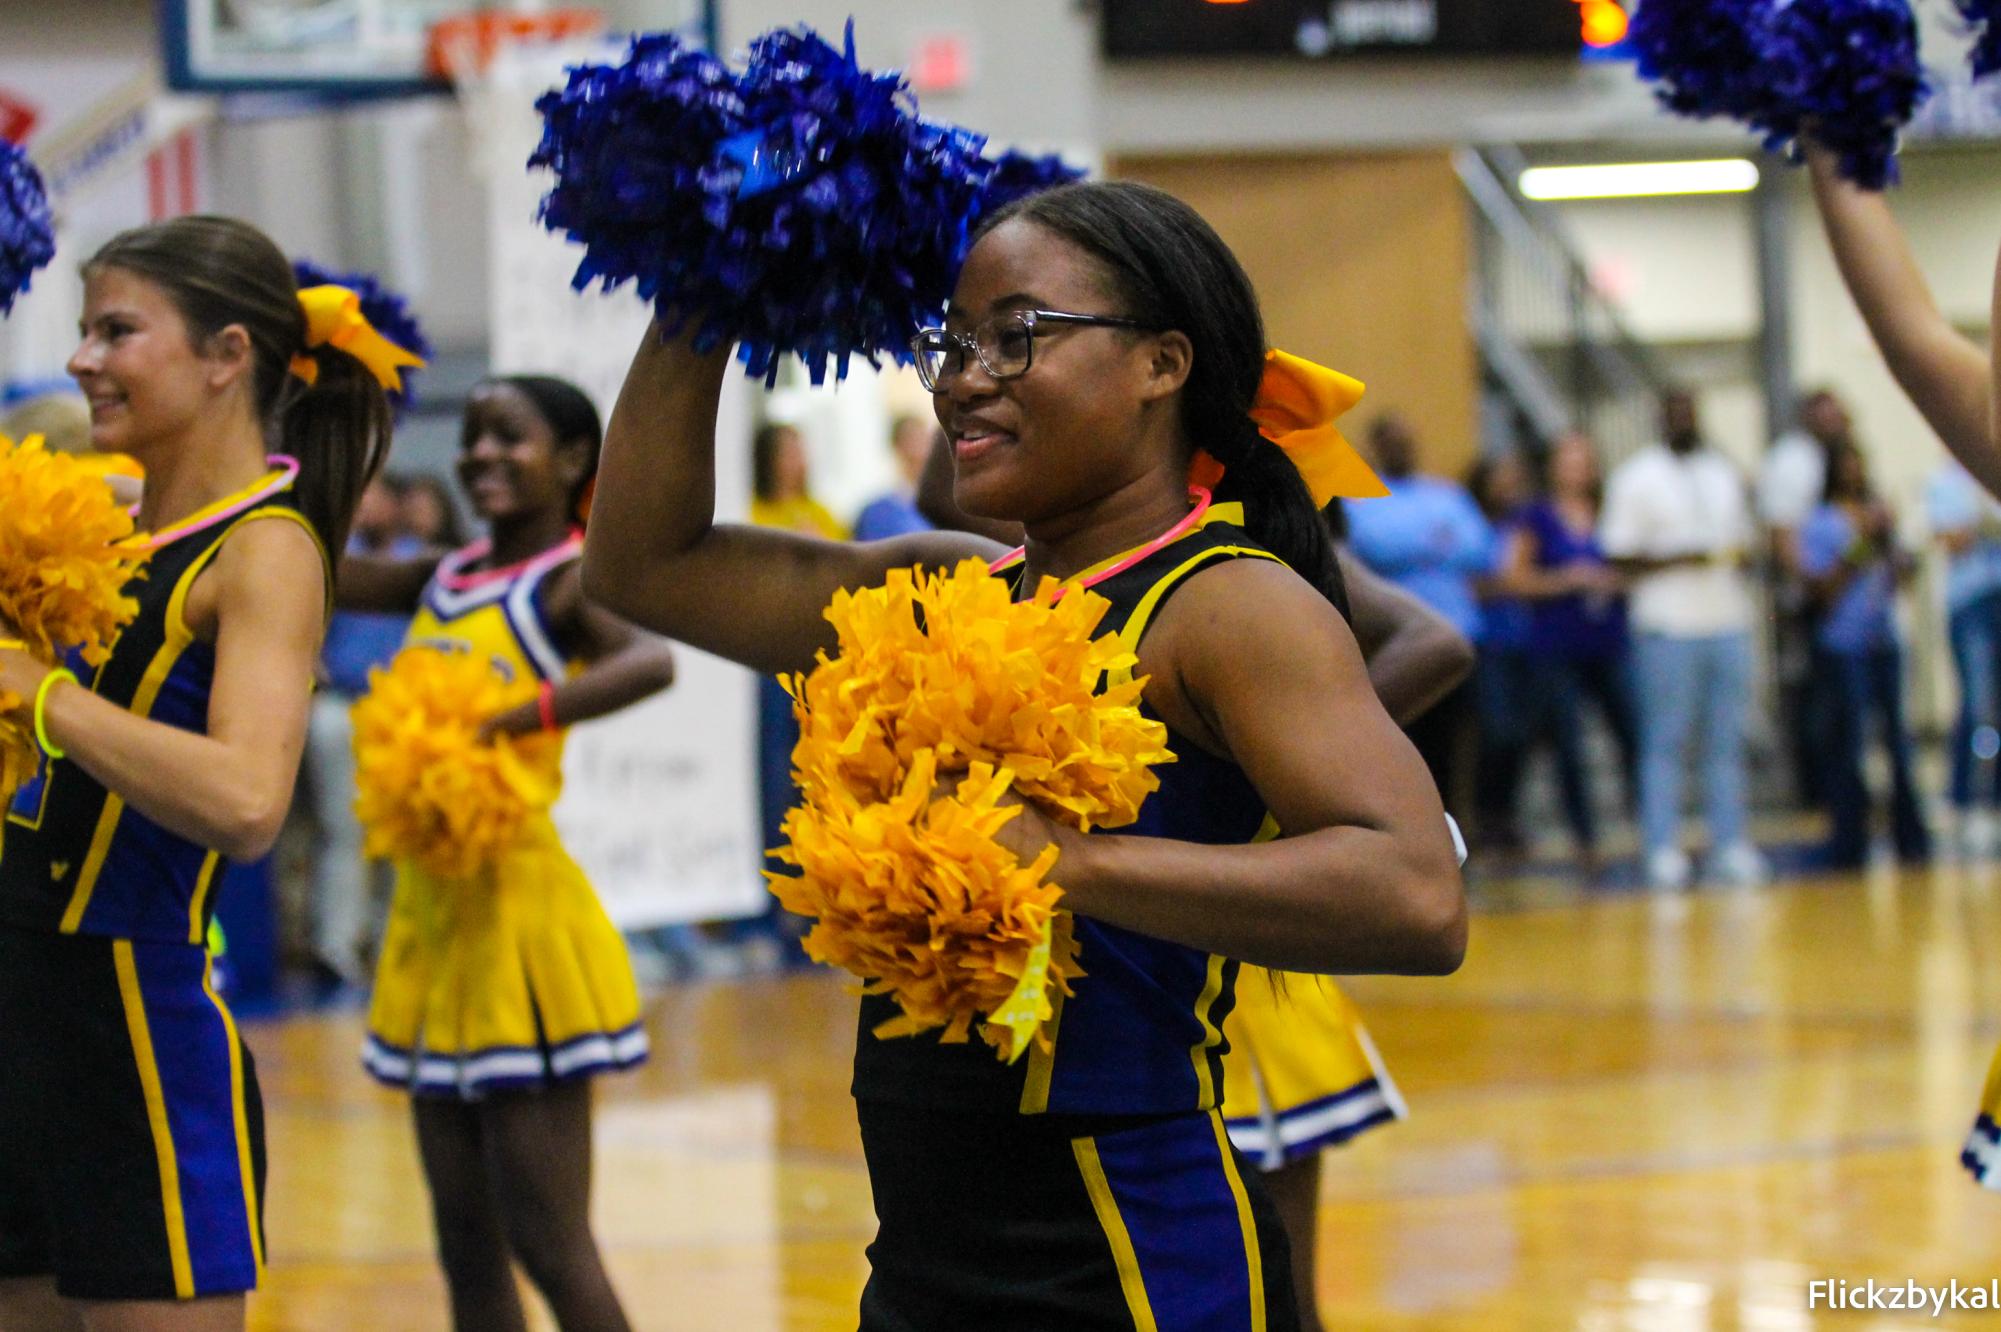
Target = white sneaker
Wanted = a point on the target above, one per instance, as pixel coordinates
(1667, 868)
(1741, 865)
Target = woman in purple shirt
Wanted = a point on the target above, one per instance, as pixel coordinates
(1577, 629)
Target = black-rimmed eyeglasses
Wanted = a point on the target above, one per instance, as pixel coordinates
(1003, 344)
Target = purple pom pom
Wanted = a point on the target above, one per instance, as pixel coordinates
(799, 207)
(27, 233)
(1984, 16)
(1846, 68)
(386, 311)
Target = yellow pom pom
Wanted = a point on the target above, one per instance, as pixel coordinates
(67, 551)
(915, 895)
(939, 675)
(18, 751)
(429, 790)
(949, 663)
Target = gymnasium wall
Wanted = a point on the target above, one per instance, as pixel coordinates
(1361, 263)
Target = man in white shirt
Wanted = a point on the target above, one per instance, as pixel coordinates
(1677, 522)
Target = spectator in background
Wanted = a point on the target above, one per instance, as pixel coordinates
(1849, 554)
(780, 497)
(896, 514)
(1505, 680)
(1577, 633)
(1429, 538)
(1790, 486)
(780, 492)
(428, 516)
(1677, 524)
(1966, 521)
(345, 884)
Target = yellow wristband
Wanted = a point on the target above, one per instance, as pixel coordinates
(14, 643)
(49, 682)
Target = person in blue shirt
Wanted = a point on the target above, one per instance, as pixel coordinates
(1849, 555)
(356, 642)
(1967, 523)
(1505, 681)
(1428, 537)
(896, 514)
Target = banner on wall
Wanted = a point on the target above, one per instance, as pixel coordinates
(660, 801)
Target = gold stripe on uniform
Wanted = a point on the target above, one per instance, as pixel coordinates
(1121, 1240)
(1212, 990)
(203, 882)
(156, 1115)
(238, 1105)
(1253, 1255)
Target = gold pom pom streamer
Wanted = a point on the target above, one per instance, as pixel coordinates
(430, 791)
(941, 675)
(67, 554)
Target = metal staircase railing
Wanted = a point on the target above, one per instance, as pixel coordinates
(1554, 351)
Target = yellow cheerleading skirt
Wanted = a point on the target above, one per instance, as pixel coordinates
(1982, 1153)
(1300, 1073)
(512, 978)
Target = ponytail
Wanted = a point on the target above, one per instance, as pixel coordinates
(1172, 271)
(219, 271)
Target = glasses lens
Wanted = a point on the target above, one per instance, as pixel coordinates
(1006, 344)
(937, 356)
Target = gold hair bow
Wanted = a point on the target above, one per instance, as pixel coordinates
(1297, 406)
(334, 319)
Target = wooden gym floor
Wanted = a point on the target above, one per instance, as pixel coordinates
(1664, 1114)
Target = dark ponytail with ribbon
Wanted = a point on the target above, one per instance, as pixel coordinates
(1171, 270)
(220, 271)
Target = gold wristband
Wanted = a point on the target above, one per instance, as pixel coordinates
(49, 682)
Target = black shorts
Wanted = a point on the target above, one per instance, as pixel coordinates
(1022, 1223)
(131, 1133)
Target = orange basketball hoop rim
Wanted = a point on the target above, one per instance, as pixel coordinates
(464, 45)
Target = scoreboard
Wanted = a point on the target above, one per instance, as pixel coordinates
(1334, 29)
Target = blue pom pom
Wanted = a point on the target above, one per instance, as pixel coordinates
(386, 311)
(27, 233)
(1018, 175)
(1984, 16)
(1847, 68)
(799, 207)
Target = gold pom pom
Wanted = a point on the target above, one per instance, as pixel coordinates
(949, 663)
(67, 551)
(18, 751)
(915, 895)
(429, 790)
(940, 675)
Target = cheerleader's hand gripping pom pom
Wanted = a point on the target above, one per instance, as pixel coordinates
(1848, 69)
(386, 311)
(430, 791)
(27, 233)
(798, 207)
(939, 676)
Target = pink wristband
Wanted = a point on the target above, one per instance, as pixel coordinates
(545, 704)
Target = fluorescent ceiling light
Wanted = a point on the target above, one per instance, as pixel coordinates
(1640, 180)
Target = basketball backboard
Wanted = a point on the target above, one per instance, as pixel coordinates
(340, 48)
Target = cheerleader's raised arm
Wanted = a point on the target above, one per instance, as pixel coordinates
(655, 554)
